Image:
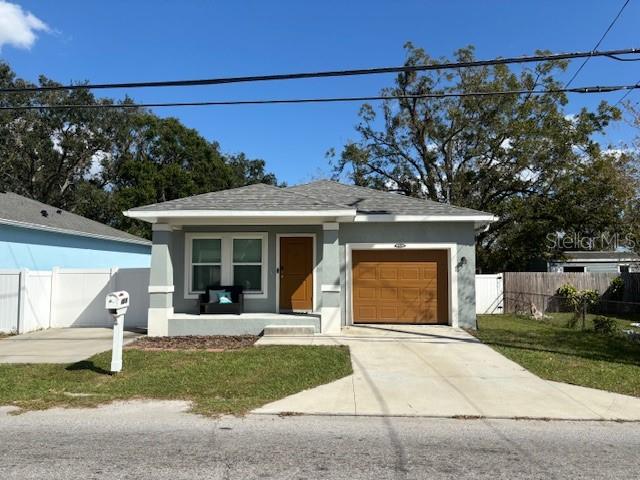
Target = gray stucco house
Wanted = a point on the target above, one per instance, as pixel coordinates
(323, 254)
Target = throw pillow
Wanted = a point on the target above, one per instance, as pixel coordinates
(214, 295)
(224, 300)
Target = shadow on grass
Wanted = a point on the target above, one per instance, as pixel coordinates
(585, 345)
(87, 365)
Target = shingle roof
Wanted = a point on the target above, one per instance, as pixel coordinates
(585, 255)
(252, 197)
(316, 196)
(22, 211)
(368, 201)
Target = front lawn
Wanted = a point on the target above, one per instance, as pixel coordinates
(234, 381)
(553, 351)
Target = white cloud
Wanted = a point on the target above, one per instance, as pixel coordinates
(19, 27)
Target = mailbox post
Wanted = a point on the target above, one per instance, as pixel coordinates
(117, 304)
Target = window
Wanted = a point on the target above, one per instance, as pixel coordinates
(206, 264)
(572, 269)
(247, 263)
(214, 259)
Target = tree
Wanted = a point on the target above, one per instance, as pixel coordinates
(99, 162)
(517, 156)
(45, 154)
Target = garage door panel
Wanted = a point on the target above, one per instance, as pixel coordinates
(366, 272)
(388, 313)
(367, 313)
(388, 293)
(388, 272)
(408, 272)
(393, 286)
(410, 294)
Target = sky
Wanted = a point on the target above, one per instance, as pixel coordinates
(121, 41)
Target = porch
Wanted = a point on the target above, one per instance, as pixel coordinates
(243, 324)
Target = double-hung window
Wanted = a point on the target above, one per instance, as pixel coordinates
(214, 259)
(206, 263)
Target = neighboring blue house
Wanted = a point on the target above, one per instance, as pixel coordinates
(37, 236)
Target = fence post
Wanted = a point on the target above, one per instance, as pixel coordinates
(22, 299)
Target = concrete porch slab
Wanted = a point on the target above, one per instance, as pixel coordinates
(439, 371)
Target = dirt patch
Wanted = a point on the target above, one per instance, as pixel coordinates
(209, 343)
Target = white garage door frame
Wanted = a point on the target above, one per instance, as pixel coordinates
(452, 257)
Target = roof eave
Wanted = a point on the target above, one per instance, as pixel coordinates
(65, 231)
(478, 219)
(153, 216)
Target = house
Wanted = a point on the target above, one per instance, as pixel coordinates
(37, 236)
(323, 254)
(595, 261)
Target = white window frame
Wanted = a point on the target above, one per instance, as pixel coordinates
(226, 260)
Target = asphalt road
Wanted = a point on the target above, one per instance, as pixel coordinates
(158, 440)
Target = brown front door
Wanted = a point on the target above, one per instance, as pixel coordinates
(296, 273)
(400, 286)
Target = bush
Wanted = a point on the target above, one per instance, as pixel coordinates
(616, 289)
(580, 301)
(604, 325)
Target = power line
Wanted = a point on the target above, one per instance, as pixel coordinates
(615, 19)
(580, 90)
(627, 93)
(324, 74)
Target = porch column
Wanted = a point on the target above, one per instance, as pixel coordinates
(330, 319)
(160, 281)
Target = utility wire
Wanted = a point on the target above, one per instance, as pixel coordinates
(627, 93)
(615, 19)
(324, 74)
(581, 90)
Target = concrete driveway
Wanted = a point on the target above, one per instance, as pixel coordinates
(441, 372)
(58, 345)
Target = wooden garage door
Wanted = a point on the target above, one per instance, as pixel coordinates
(400, 286)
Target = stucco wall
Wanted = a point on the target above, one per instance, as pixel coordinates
(42, 250)
(460, 233)
(266, 305)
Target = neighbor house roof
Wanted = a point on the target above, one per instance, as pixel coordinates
(321, 198)
(597, 256)
(19, 211)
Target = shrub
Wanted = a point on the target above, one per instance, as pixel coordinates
(580, 301)
(604, 325)
(616, 288)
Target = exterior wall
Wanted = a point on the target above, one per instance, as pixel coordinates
(258, 305)
(330, 243)
(593, 267)
(42, 250)
(461, 234)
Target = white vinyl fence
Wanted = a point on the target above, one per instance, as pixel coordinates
(489, 293)
(31, 300)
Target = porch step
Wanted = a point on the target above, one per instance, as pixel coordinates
(288, 330)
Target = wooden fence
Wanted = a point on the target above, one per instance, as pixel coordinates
(522, 289)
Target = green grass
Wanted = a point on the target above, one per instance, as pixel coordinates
(553, 351)
(217, 382)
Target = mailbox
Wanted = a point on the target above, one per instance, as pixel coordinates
(117, 302)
